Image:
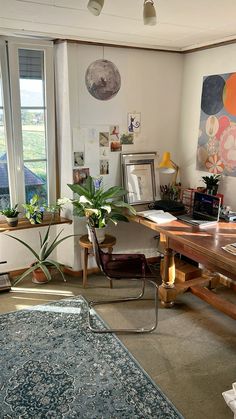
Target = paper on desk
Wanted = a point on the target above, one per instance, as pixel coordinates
(230, 248)
(158, 216)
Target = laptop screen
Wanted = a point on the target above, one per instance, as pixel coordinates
(206, 207)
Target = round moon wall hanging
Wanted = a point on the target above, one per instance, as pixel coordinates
(102, 79)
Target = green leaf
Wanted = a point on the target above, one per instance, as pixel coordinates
(53, 246)
(27, 272)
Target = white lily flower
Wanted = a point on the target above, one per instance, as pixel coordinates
(107, 208)
(84, 200)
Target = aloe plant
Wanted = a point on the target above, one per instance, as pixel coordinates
(42, 258)
(99, 205)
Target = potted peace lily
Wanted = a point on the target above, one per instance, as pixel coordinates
(100, 205)
(11, 215)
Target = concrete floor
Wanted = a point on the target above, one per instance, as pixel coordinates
(191, 356)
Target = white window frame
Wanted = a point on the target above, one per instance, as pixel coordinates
(12, 108)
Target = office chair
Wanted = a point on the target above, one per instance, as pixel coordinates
(123, 266)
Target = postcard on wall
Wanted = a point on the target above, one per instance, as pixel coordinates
(104, 139)
(78, 158)
(127, 138)
(104, 152)
(114, 132)
(104, 167)
(134, 122)
(80, 175)
(116, 146)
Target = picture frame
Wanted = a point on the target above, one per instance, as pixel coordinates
(138, 177)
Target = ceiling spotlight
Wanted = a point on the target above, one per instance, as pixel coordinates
(95, 6)
(149, 13)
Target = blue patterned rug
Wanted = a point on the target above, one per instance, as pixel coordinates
(53, 367)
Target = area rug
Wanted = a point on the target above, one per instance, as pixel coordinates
(53, 367)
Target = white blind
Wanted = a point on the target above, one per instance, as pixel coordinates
(31, 64)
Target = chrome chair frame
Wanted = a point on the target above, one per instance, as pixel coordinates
(143, 278)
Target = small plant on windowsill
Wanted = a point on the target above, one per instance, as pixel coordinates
(11, 215)
(33, 210)
(211, 183)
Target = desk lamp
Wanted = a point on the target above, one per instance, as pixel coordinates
(167, 166)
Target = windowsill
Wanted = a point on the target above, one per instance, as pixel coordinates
(24, 223)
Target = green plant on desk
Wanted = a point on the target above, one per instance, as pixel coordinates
(211, 183)
(11, 215)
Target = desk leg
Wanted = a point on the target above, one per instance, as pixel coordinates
(110, 250)
(85, 267)
(167, 290)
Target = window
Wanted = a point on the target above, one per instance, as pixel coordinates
(27, 124)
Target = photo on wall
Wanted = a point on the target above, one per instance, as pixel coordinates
(127, 138)
(116, 146)
(104, 139)
(80, 176)
(216, 149)
(78, 158)
(134, 122)
(114, 132)
(104, 167)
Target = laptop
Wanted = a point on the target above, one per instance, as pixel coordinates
(206, 210)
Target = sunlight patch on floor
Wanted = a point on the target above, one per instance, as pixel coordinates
(42, 291)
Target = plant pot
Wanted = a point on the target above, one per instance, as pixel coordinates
(100, 233)
(39, 276)
(212, 190)
(12, 221)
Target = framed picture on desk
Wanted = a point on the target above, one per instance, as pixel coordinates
(138, 172)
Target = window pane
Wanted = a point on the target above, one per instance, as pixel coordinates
(33, 133)
(4, 181)
(35, 180)
(31, 67)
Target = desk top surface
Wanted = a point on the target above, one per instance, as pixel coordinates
(203, 244)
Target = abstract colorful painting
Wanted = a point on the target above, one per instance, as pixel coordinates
(216, 151)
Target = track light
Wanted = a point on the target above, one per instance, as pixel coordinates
(149, 13)
(95, 6)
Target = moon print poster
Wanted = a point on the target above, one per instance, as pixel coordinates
(216, 151)
(103, 79)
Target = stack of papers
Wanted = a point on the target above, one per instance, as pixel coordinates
(231, 248)
(158, 216)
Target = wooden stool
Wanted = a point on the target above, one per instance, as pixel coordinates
(86, 245)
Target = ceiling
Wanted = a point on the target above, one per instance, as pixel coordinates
(182, 25)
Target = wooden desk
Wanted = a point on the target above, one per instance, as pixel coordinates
(203, 245)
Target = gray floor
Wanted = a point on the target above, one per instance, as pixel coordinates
(191, 356)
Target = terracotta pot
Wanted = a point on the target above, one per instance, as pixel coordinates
(39, 276)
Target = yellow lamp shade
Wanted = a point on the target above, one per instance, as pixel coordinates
(166, 165)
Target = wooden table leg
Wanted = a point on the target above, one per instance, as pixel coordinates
(110, 250)
(167, 290)
(85, 267)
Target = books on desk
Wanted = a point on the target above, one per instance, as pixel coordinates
(230, 248)
(158, 216)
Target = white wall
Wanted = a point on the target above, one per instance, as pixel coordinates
(196, 65)
(151, 83)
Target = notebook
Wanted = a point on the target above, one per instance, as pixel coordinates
(206, 210)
